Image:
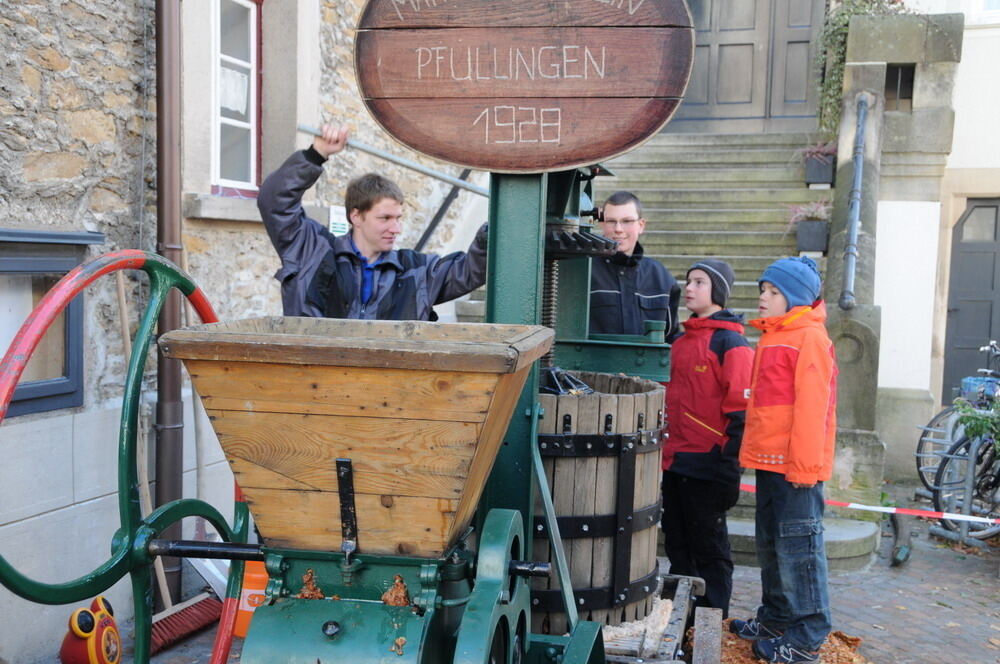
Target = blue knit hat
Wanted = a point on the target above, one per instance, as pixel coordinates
(796, 277)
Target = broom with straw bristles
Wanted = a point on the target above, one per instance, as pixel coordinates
(176, 621)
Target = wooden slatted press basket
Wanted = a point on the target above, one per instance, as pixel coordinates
(601, 454)
(419, 408)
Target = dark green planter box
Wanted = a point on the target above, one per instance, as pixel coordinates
(812, 235)
(819, 171)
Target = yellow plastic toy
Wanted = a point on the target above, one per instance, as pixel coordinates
(93, 636)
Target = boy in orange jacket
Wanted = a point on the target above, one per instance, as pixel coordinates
(789, 441)
(706, 404)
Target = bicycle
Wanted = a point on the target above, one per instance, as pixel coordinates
(942, 432)
(952, 483)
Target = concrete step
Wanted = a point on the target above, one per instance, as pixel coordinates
(792, 140)
(653, 155)
(746, 267)
(752, 243)
(470, 311)
(780, 228)
(730, 198)
(850, 544)
(627, 176)
(665, 214)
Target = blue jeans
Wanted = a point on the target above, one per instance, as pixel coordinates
(789, 533)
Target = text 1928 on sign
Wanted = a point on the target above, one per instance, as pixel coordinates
(523, 85)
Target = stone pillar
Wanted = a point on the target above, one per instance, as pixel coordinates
(904, 157)
(856, 331)
(914, 143)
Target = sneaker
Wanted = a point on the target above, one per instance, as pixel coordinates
(751, 630)
(776, 651)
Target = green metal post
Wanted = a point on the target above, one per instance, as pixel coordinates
(573, 319)
(514, 296)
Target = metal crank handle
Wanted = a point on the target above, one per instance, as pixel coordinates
(405, 163)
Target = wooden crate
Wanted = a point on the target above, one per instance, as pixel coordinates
(419, 408)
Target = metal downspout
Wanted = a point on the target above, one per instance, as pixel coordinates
(169, 407)
(847, 298)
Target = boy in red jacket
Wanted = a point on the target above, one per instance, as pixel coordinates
(789, 440)
(706, 400)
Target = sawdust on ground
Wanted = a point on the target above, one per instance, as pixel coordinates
(839, 648)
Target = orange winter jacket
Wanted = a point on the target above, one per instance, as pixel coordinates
(791, 422)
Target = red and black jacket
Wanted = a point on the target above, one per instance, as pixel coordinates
(710, 365)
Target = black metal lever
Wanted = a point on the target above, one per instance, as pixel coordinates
(198, 549)
(529, 568)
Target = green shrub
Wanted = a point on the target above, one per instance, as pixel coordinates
(832, 52)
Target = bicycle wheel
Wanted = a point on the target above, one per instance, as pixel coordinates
(935, 439)
(950, 492)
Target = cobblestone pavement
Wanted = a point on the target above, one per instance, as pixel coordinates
(943, 605)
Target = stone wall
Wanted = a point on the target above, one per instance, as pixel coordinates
(78, 131)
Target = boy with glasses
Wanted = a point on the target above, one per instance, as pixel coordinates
(629, 288)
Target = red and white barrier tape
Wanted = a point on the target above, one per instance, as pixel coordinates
(931, 514)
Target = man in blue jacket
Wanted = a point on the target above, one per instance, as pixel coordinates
(629, 288)
(359, 274)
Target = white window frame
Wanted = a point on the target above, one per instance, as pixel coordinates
(217, 119)
(980, 15)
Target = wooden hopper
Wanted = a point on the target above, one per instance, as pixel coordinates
(419, 408)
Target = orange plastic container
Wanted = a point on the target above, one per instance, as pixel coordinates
(254, 582)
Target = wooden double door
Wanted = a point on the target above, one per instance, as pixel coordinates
(753, 66)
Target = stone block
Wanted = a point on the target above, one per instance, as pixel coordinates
(857, 473)
(214, 487)
(922, 130)
(103, 200)
(945, 33)
(864, 76)
(48, 58)
(32, 79)
(900, 412)
(906, 38)
(856, 340)
(912, 188)
(886, 39)
(934, 84)
(95, 453)
(211, 451)
(206, 206)
(66, 94)
(91, 126)
(849, 544)
(36, 475)
(44, 166)
(116, 100)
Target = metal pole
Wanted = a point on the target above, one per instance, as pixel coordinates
(169, 407)
(406, 163)
(847, 299)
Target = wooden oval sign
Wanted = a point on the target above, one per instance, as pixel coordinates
(523, 85)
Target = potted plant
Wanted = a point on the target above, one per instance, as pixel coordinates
(820, 160)
(812, 225)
